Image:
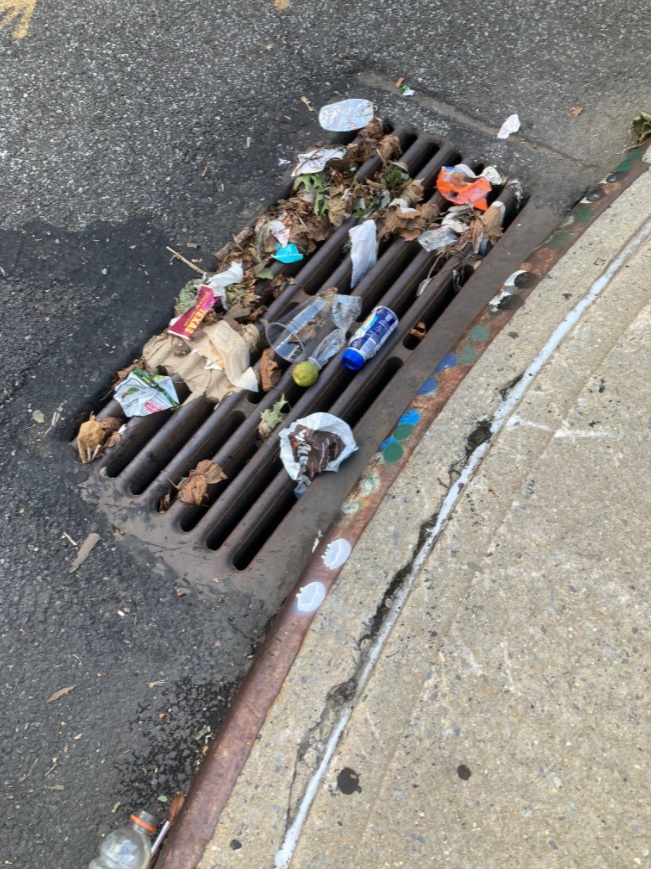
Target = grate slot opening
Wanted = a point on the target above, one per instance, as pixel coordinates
(372, 390)
(139, 432)
(438, 303)
(157, 455)
(264, 478)
(265, 527)
(144, 477)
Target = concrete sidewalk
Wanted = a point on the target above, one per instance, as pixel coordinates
(501, 717)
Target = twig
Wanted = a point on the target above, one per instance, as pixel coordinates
(184, 260)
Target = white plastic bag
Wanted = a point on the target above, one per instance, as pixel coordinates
(318, 442)
(363, 251)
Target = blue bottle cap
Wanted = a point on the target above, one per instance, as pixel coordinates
(352, 359)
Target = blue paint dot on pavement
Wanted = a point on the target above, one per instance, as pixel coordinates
(448, 361)
(411, 417)
(429, 386)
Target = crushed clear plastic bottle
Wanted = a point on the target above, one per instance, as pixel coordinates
(127, 847)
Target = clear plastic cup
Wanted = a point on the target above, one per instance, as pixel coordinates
(294, 336)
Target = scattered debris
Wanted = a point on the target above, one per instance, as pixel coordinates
(287, 254)
(270, 373)
(157, 683)
(38, 416)
(309, 105)
(406, 91)
(84, 551)
(576, 111)
(315, 160)
(370, 336)
(187, 323)
(419, 331)
(177, 803)
(400, 81)
(346, 115)
(272, 418)
(293, 336)
(460, 185)
(195, 488)
(60, 693)
(510, 125)
(363, 251)
(95, 434)
(141, 393)
(641, 127)
(435, 239)
(187, 262)
(116, 806)
(305, 373)
(318, 442)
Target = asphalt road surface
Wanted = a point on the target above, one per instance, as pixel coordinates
(127, 127)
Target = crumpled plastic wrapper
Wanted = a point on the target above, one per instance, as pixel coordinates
(316, 160)
(318, 442)
(435, 239)
(346, 115)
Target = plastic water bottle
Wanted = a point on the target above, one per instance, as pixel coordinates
(127, 847)
(370, 336)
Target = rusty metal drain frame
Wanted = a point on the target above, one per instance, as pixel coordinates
(234, 740)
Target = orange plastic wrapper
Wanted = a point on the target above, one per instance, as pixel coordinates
(455, 185)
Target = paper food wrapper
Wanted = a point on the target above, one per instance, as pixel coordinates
(141, 394)
(187, 324)
(176, 357)
(318, 442)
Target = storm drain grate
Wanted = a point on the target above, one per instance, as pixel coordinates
(252, 534)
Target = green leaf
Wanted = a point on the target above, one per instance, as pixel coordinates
(185, 298)
(275, 415)
(265, 275)
(162, 799)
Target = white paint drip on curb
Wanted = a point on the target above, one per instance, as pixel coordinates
(286, 851)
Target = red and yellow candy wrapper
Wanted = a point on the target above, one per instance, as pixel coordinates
(185, 325)
(461, 188)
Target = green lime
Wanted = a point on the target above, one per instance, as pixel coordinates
(305, 373)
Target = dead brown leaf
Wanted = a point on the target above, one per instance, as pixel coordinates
(338, 210)
(112, 440)
(576, 111)
(388, 147)
(419, 331)
(60, 693)
(175, 807)
(195, 488)
(270, 373)
(165, 502)
(111, 423)
(90, 439)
